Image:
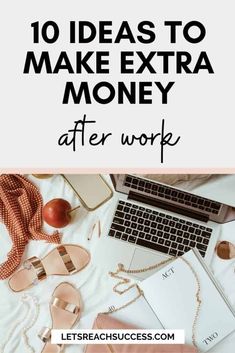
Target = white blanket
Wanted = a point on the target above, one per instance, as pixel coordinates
(94, 284)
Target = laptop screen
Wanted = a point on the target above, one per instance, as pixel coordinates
(217, 187)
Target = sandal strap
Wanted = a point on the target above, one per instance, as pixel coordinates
(66, 259)
(62, 304)
(45, 334)
(37, 265)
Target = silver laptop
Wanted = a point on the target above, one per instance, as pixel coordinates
(152, 221)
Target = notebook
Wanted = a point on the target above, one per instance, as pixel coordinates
(171, 293)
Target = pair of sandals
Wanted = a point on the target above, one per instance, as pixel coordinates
(65, 305)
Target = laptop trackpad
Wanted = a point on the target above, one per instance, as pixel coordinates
(144, 259)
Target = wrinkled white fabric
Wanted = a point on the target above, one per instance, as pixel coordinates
(95, 285)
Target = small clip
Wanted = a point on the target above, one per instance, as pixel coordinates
(97, 223)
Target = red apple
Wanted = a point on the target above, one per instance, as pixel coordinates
(57, 213)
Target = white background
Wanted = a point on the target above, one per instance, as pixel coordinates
(200, 108)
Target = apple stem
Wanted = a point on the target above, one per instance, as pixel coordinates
(73, 209)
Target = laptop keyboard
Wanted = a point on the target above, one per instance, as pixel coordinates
(158, 231)
(171, 194)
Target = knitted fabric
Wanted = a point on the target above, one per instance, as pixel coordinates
(21, 212)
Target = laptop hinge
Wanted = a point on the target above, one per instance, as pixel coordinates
(167, 206)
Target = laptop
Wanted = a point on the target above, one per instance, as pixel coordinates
(151, 221)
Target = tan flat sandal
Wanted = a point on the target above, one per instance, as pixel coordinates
(64, 260)
(65, 308)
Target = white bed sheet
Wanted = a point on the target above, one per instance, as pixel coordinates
(94, 284)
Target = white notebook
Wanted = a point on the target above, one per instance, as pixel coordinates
(171, 292)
